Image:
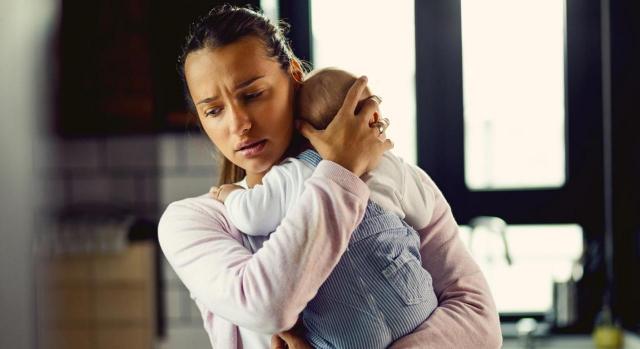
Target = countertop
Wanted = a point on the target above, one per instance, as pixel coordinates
(631, 340)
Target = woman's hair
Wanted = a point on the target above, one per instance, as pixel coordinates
(224, 25)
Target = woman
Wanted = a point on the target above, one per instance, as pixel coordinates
(240, 76)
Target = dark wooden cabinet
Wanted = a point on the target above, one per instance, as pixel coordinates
(98, 300)
(105, 80)
(116, 64)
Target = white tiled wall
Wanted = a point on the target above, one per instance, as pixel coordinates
(118, 171)
(131, 153)
(143, 174)
(93, 187)
(187, 168)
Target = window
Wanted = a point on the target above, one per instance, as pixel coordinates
(271, 9)
(528, 153)
(513, 90)
(380, 44)
(540, 254)
(509, 110)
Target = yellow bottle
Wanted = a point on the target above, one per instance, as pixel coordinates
(606, 334)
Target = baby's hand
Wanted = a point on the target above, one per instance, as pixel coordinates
(220, 193)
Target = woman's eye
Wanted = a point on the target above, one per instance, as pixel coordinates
(253, 95)
(212, 112)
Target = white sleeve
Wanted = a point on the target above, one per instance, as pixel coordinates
(417, 200)
(259, 210)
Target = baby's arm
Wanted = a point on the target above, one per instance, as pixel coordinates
(244, 216)
(258, 211)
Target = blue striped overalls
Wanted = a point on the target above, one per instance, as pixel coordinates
(378, 291)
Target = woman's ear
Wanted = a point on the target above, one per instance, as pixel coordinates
(295, 69)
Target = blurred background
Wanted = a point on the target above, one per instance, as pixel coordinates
(523, 112)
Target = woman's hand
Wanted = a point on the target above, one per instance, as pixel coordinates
(290, 339)
(220, 193)
(349, 140)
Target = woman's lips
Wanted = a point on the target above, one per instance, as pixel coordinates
(254, 149)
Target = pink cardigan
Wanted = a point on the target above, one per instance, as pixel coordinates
(266, 291)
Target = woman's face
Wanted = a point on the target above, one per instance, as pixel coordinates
(244, 101)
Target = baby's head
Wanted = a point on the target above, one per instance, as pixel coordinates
(321, 95)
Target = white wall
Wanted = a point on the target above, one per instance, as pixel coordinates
(25, 30)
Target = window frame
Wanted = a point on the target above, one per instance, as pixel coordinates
(440, 139)
(440, 127)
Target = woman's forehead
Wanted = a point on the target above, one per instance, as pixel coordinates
(232, 64)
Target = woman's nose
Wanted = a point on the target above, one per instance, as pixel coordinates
(240, 121)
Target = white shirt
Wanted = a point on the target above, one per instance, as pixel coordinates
(395, 185)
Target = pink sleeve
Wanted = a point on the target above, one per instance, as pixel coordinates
(466, 316)
(265, 291)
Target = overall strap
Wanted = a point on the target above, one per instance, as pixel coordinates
(311, 157)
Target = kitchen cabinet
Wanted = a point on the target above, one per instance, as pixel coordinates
(98, 300)
(632, 341)
(116, 64)
(105, 80)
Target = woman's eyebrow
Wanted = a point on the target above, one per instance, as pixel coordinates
(237, 87)
(248, 82)
(207, 100)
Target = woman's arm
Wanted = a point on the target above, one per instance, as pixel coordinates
(267, 290)
(466, 315)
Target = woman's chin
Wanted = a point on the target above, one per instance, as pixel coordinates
(257, 165)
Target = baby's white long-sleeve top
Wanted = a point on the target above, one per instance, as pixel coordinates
(395, 185)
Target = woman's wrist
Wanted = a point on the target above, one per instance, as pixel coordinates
(346, 179)
(353, 164)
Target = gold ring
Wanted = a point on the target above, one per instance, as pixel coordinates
(380, 125)
(377, 99)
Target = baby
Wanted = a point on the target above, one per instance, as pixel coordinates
(378, 292)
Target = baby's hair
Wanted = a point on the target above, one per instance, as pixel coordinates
(322, 94)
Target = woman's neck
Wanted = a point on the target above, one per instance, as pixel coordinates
(253, 179)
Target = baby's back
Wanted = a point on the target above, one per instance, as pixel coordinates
(379, 288)
(395, 185)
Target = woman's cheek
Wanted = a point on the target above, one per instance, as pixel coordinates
(216, 133)
(282, 114)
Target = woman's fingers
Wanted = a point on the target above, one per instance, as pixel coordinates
(375, 98)
(353, 96)
(348, 131)
(387, 144)
(317, 138)
(369, 110)
(277, 342)
(307, 130)
(294, 340)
